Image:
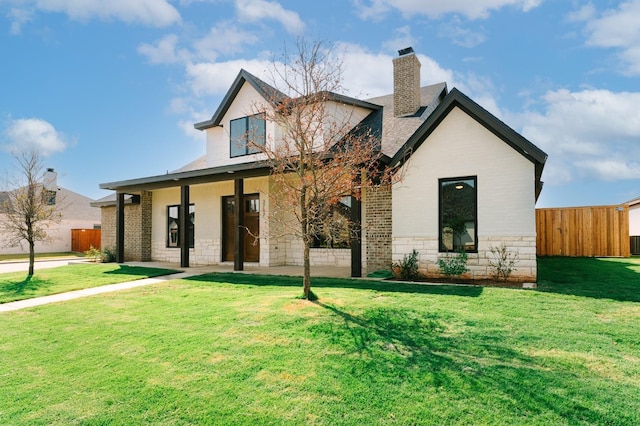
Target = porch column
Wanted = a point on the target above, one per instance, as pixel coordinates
(183, 226)
(238, 233)
(356, 237)
(120, 227)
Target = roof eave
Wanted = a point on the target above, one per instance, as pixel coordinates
(191, 177)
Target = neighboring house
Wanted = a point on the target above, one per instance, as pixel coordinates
(634, 217)
(634, 225)
(77, 213)
(468, 182)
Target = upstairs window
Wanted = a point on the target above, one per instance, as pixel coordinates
(458, 214)
(247, 134)
(173, 226)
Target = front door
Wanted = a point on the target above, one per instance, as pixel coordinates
(251, 213)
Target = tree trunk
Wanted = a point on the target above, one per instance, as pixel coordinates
(32, 257)
(306, 281)
(304, 222)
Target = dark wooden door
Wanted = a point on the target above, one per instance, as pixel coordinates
(251, 233)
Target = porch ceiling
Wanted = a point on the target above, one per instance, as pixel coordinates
(191, 177)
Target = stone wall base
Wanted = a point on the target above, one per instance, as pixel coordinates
(478, 263)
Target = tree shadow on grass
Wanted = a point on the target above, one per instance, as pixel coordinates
(384, 345)
(20, 287)
(318, 282)
(141, 271)
(601, 278)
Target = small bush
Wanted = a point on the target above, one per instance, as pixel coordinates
(93, 254)
(108, 255)
(454, 265)
(407, 268)
(503, 262)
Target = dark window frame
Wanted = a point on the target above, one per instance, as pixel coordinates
(192, 209)
(441, 184)
(239, 145)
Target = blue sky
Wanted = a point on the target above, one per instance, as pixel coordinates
(110, 89)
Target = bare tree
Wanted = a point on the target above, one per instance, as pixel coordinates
(28, 209)
(321, 154)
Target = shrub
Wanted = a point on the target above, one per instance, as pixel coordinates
(453, 265)
(93, 254)
(108, 255)
(407, 268)
(503, 262)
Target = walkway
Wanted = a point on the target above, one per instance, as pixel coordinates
(323, 271)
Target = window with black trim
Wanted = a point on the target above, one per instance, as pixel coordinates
(458, 214)
(173, 225)
(334, 229)
(247, 134)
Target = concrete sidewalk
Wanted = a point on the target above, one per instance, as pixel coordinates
(186, 272)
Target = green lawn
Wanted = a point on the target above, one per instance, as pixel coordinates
(39, 256)
(242, 349)
(19, 286)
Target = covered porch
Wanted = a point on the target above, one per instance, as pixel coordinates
(232, 176)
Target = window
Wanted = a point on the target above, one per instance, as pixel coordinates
(173, 226)
(458, 214)
(334, 230)
(246, 134)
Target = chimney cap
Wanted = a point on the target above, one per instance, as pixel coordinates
(50, 169)
(405, 51)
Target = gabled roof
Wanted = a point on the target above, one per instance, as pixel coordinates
(271, 95)
(396, 130)
(456, 98)
(268, 92)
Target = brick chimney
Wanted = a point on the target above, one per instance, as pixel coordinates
(406, 82)
(50, 180)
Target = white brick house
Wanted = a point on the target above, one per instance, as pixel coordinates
(468, 182)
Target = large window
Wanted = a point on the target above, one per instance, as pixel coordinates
(173, 225)
(247, 134)
(334, 228)
(458, 214)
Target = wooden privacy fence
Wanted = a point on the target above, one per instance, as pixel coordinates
(83, 239)
(583, 231)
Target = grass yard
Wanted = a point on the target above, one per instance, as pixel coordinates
(241, 349)
(18, 286)
(39, 256)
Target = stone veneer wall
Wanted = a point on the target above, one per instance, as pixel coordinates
(377, 223)
(478, 263)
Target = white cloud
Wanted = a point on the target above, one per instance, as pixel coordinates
(33, 133)
(215, 78)
(458, 34)
(401, 38)
(592, 134)
(163, 51)
(223, 38)
(257, 10)
(18, 18)
(617, 29)
(157, 13)
(476, 9)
